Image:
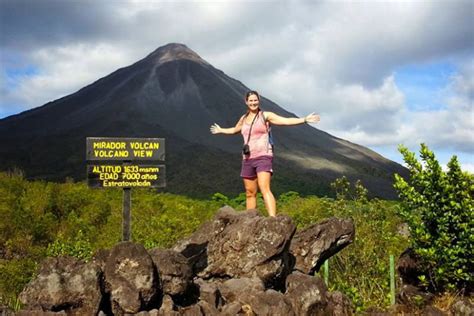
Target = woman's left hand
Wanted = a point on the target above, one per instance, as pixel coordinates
(312, 118)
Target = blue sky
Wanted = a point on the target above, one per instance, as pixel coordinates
(379, 73)
(424, 86)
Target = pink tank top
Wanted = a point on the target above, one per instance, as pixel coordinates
(259, 142)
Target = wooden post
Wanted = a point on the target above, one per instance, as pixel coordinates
(126, 211)
(126, 216)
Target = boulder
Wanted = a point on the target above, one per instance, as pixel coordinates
(307, 294)
(208, 309)
(38, 313)
(153, 312)
(412, 296)
(250, 245)
(192, 310)
(100, 257)
(315, 244)
(232, 289)
(194, 247)
(167, 307)
(249, 297)
(339, 304)
(232, 309)
(409, 267)
(131, 279)
(209, 292)
(269, 302)
(64, 283)
(174, 270)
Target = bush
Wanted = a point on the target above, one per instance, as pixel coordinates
(343, 190)
(439, 209)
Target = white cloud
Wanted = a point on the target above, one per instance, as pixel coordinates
(64, 70)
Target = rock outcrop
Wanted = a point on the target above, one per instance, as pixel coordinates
(318, 242)
(239, 263)
(65, 283)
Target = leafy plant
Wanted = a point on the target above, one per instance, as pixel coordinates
(78, 246)
(344, 191)
(438, 207)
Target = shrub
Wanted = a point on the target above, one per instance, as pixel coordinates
(344, 191)
(439, 209)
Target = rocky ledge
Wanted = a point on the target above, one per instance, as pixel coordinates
(239, 263)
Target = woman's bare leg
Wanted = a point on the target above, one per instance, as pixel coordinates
(264, 185)
(251, 192)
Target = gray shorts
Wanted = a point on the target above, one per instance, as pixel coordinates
(250, 167)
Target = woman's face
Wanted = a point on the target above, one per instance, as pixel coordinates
(252, 102)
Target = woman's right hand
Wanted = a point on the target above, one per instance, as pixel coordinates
(216, 129)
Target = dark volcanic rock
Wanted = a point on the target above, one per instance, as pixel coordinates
(307, 294)
(250, 246)
(194, 247)
(208, 309)
(193, 310)
(39, 313)
(409, 267)
(269, 302)
(247, 261)
(100, 257)
(411, 295)
(232, 289)
(209, 292)
(339, 304)
(315, 244)
(131, 278)
(174, 270)
(153, 312)
(250, 297)
(232, 309)
(64, 283)
(167, 307)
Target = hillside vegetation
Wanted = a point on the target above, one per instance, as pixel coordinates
(39, 219)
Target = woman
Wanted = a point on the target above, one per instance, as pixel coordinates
(258, 155)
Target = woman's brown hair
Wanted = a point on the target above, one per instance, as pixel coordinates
(251, 92)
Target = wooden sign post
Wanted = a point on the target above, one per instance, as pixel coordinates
(117, 164)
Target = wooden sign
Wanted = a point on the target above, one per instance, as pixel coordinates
(108, 173)
(126, 176)
(125, 149)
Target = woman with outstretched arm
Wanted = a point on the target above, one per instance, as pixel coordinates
(257, 153)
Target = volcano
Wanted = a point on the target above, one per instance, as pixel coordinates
(175, 94)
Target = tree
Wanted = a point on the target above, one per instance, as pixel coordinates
(439, 209)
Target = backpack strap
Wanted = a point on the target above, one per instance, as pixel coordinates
(269, 129)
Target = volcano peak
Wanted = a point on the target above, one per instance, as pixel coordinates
(175, 51)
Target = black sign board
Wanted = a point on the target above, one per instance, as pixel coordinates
(125, 149)
(126, 176)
